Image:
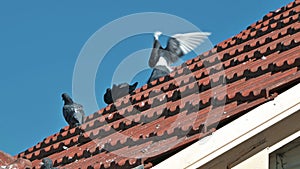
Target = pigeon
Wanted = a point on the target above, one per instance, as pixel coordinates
(139, 167)
(158, 72)
(118, 91)
(47, 164)
(177, 46)
(73, 112)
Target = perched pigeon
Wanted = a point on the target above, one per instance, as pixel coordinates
(139, 167)
(177, 46)
(72, 111)
(47, 164)
(118, 91)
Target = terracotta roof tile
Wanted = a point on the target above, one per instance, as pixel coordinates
(7, 161)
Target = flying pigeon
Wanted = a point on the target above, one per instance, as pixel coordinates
(118, 91)
(47, 164)
(73, 112)
(177, 46)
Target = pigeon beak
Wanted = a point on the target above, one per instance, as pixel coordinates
(41, 163)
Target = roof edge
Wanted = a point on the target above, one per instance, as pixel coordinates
(224, 139)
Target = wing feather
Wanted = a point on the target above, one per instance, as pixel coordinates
(189, 41)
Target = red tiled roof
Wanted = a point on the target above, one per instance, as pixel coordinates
(7, 161)
(199, 97)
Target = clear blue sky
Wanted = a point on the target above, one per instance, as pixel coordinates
(40, 43)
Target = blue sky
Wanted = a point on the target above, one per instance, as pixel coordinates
(41, 41)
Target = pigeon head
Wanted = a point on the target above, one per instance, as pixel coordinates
(108, 97)
(67, 98)
(46, 163)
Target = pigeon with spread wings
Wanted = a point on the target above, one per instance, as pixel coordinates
(177, 46)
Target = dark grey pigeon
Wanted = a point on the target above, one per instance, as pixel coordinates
(73, 112)
(47, 164)
(177, 46)
(118, 91)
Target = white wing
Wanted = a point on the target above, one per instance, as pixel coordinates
(189, 41)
